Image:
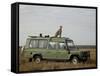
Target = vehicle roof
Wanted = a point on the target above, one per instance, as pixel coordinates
(52, 39)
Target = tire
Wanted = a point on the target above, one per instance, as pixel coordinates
(37, 59)
(75, 60)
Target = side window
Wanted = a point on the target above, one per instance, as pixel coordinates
(42, 43)
(33, 44)
(61, 45)
(52, 45)
(38, 44)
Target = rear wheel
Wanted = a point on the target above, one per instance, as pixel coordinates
(37, 59)
(75, 60)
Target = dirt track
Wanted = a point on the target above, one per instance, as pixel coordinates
(51, 65)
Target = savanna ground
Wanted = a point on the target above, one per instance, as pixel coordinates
(25, 65)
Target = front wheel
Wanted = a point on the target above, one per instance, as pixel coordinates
(75, 60)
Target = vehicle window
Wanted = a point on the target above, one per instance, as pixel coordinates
(42, 43)
(52, 45)
(71, 45)
(33, 44)
(61, 45)
(38, 44)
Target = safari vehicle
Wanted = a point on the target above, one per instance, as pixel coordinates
(55, 48)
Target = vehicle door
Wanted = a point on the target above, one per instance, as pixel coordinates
(62, 52)
(51, 52)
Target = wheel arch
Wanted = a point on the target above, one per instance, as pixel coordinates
(40, 55)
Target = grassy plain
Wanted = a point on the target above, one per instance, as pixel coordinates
(53, 65)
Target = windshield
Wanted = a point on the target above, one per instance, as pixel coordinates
(71, 45)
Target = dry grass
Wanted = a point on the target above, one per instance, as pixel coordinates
(52, 65)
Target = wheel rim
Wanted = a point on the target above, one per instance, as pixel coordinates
(74, 61)
(37, 60)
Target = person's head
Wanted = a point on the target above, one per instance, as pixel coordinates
(60, 27)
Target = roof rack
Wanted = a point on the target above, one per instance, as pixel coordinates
(33, 36)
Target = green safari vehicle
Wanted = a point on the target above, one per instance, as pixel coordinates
(53, 48)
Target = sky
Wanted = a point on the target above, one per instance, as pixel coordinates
(79, 24)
